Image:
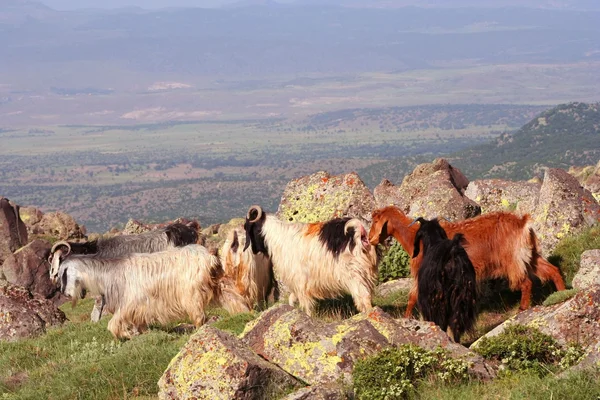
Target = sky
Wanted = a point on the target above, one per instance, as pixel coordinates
(147, 4)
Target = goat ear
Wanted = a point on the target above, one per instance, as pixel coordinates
(364, 237)
(417, 240)
(235, 242)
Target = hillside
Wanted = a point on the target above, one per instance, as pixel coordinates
(563, 136)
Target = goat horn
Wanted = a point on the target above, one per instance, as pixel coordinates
(353, 223)
(61, 243)
(259, 213)
(414, 220)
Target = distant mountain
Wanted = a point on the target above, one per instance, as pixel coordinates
(550, 4)
(17, 11)
(563, 136)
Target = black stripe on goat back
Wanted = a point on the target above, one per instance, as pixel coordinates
(90, 247)
(181, 234)
(332, 236)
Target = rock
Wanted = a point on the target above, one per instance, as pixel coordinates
(60, 226)
(13, 232)
(28, 267)
(321, 197)
(564, 208)
(589, 270)
(589, 178)
(319, 392)
(576, 320)
(216, 365)
(397, 285)
(499, 195)
(431, 190)
(31, 216)
(135, 227)
(23, 314)
(318, 352)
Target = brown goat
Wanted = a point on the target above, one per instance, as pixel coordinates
(500, 245)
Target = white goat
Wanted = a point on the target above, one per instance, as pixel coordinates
(141, 289)
(316, 261)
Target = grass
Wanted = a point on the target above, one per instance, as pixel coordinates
(567, 253)
(559, 297)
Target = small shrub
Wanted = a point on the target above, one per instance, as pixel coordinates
(393, 373)
(394, 264)
(524, 348)
(567, 253)
(559, 297)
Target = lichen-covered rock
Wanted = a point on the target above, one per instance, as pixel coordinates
(321, 197)
(216, 365)
(564, 208)
(589, 178)
(431, 190)
(135, 227)
(318, 352)
(31, 216)
(60, 226)
(319, 392)
(499, 195)
(28, 267)
(397, 285)
(23, 314)
(589, 270)
(576, 320)
(13, 232)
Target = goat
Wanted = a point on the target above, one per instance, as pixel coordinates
(141, 289)
(318, 260)
(174, 235)
(500, 245)
(252, 273)
(446, 280)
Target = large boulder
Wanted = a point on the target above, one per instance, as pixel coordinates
(564, 208)
(500, 195)
(588, 274)
(576, 320)
(319, 392)
(321, 197)
(60, 226)
(13, 232)
(216, 365)
(31, 216)
(432, 190)
(320, 353)
(23, 314)
(28, 267)
(589, 178)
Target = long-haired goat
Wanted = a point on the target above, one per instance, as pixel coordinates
(446, 280)
(500, 245)
(252, 273)
(316, 261)
(174, 235)
(141, 289)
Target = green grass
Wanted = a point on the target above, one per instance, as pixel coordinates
(235, 323)
(559, 297)
(567, 253)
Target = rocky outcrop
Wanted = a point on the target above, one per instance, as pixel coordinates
(319, 392)
(13, 232)
(431, 190)
(216, 365)
(499, 195)
(397, 285)
(23, 314)
(28, 267)
(588, 274)
(135, 227)
(321, 197)
(576, 320)
(31, 217)
(589, 178)
(564, 208)
(60, 226)
(320, 353)
(215, 235)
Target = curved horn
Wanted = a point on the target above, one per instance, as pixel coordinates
(259, 213)
(414, 220)
(61, 243)
(354, 223)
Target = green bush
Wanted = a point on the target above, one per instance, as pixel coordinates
(392, 373)
(524, 348)
(567, 253)
(394, 264)
(559, 297)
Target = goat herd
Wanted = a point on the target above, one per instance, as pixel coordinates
(163, 275)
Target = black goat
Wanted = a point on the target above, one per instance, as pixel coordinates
(446, 280)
